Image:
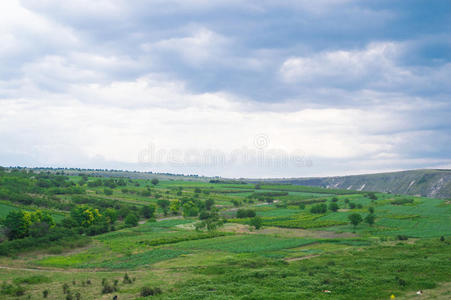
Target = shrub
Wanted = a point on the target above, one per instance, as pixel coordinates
(35, 279)
(131, 220)
(257, 222)
(352, 205)
(65, 288)
(333, 207)
(245, 213)
(45, 293)
(402, 237)
(355, 219)
(319, 208)
(148, 291)
(402, 201)
(13, 290)
(108, 288)
(127, 279)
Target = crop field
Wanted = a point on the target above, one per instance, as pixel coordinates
(219, 240)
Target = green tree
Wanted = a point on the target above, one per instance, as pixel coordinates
(154, 181)
(148, 211)
(86, 216)
(319, 208)
(190, 209)
(209, 203)
(371, 210)
(111, 215)
(333, 207)
(131, 220)
(355, 219)
(257, 222)
(174, 207)
(16, 224)
(370, 219)
(164, 205)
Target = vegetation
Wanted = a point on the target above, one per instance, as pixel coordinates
(213, 240)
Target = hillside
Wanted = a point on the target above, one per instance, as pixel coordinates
(428, 183)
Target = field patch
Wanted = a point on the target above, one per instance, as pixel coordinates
(254, 243)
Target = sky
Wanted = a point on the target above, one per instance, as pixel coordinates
(226, 88)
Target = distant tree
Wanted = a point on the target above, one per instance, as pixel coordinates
(148, 211)
(108, 191)
(333, 207)
(302, 206)
(371, 210)
(174, 207)
(190, 209)
(164, 205)
(258, 186)
(111, 215)
(154, 181)
(209, 203)
(370, 219)
(16, 224)
(131, 220)
(334, 199)
(372, 196)
(359, 206)
(355, 219)
(352, 205)
(319, 208)
(257, 222)
(245, 213)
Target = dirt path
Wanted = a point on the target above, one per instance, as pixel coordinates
(301, 258)
(169, 218)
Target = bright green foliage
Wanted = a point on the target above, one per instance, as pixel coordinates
(190, 209)
(18, 223)
(86, 216)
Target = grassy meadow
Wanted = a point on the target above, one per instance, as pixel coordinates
(294, 253)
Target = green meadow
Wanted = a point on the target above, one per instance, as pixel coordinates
(267, 242)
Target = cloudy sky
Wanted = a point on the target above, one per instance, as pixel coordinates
(249, 88)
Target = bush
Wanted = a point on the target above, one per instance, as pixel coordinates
(131, 220)
(127, 279)
(319, 208)
(108, 288)
(13, 290)
(245, 213)
(45, 293)
(402, 201)
(402, 237)
(333, 207)
(148, 291)
(352, 205)
(257, 222)
(35, 279)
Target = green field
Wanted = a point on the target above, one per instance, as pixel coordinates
(297, 253)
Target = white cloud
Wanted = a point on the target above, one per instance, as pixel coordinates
(376, 63)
